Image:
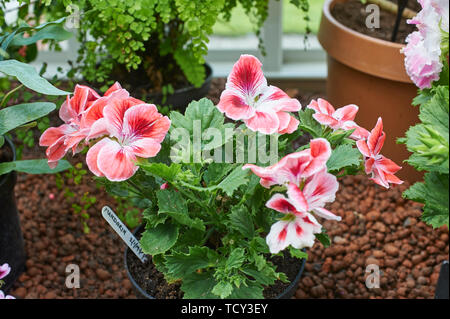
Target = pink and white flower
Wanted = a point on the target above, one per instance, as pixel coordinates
(5, 269)
(381, 168)
(80, 114)
(296, 228)
(342, 118)
(3, 296)
(263, 108)
(136, 131)
(423, 50)
(295, 167)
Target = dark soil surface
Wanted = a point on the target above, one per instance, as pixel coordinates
(378, 227)
(353, 14)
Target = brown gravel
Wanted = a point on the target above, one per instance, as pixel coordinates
(378, 227)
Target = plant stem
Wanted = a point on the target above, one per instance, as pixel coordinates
(7, 96)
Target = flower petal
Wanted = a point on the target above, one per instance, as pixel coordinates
(325, 213)
(297, 197)
(117, 163)
(92, 156)
(320, 189)
(281, 204)
(264, 122)
(363, 148)
(52, 134)
(234, 106)
(292, 126)
(114, 113)
(376, 138)
(346, 113)
(144, 121)
(247, 76)
(145, 147)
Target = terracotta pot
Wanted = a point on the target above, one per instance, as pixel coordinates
(370, 73)
(12, 249)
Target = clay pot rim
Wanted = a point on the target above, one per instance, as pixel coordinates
(331, 25)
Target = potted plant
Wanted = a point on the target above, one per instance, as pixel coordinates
(366, 67)
(216, 228)
(426, 61)
(156, 50)
(20, 116)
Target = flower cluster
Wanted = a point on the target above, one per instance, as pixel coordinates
(309, 188)
(5, 269)
(423, 52)
(124, 129)
(369, 144)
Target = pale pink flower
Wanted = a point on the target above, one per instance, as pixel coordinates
(3, 296)
(263, 108)
(136, 131)
(423, 50)
(381, 168)
(5, 269)
(342, 118)
(295, 167)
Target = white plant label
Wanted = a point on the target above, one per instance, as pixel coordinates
(122, 230)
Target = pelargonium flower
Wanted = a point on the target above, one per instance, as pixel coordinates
(136, 130)
(381, 168)
(342, 118)
(5, 269)
(295, 167)
(263, 108)
(423, 50)
(79, 114)
(296, 228)
(3, 296)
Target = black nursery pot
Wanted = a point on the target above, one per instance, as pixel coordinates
(142, 294)
(180, 99)
(443, 282)
(12, 250)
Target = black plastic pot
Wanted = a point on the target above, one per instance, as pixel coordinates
(142, 294)
(443, 282)
(180, 99)
(12, 250)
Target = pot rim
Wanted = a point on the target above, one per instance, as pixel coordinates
(282, 295)
(8, 142)
(390, 61)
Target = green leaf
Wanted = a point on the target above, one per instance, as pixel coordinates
(179, 265)
(223, 289)
(173, 204)
(52, 32)
(265, 276)
(152, 218)
(241, 220)
(324, 239)
(252, 291)
(198, 286)
(199, 117)
(297, 253)
(2, 140)
(234, 180)
(343, 156)
(192, 69)
(38, 166)
(236, 258)
(309, 124)
(434, 194)
(160, 239)
(28, 76)
(167, 173)
(17, 115)
(215, 173)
